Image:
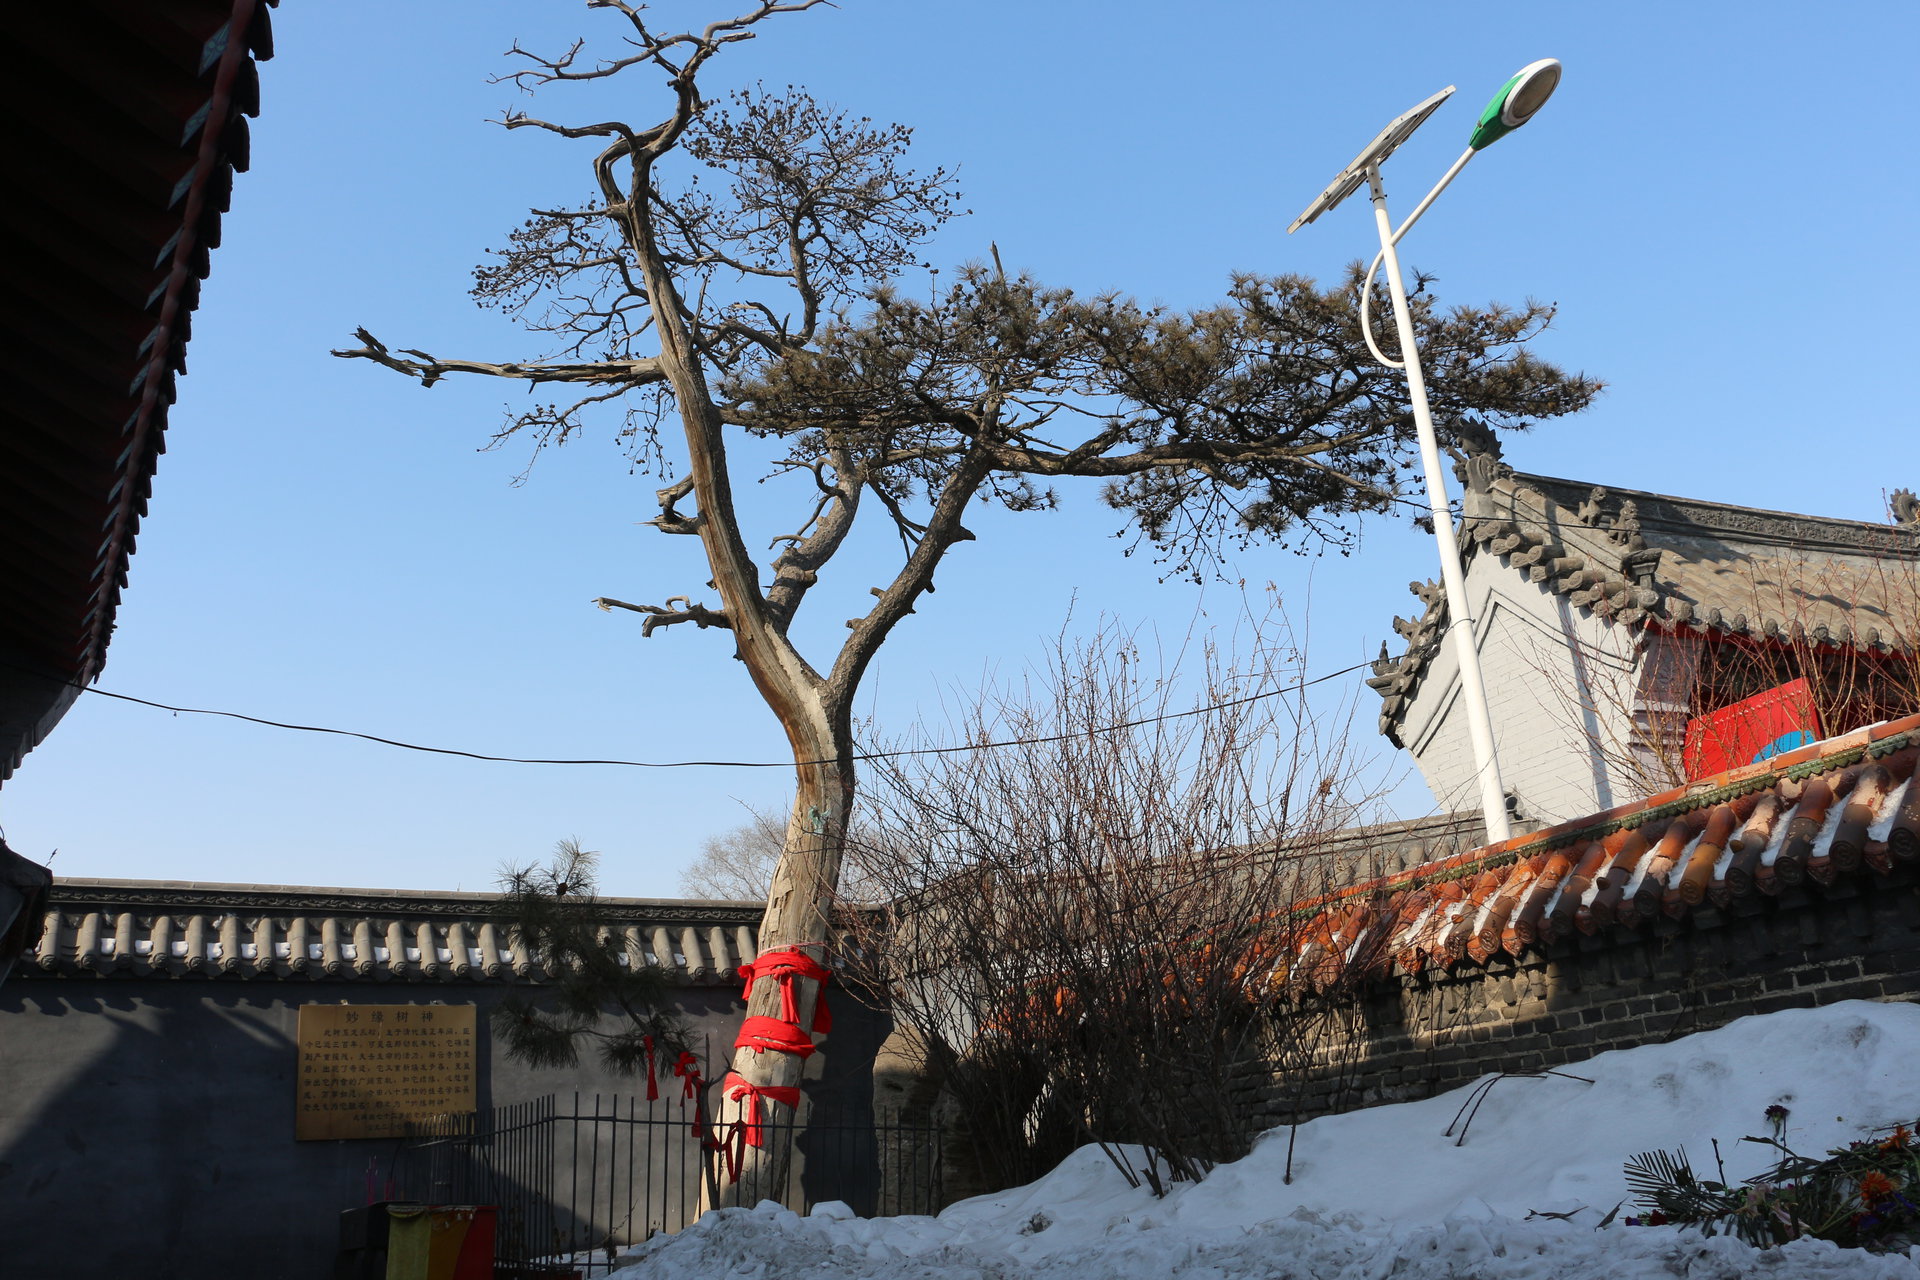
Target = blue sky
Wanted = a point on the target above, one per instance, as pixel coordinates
(1718, 198)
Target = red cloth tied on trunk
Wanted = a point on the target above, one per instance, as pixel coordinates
(737, 1089)
(653, 1090)
(762, 1034)
(687, 1067)
(784, 966)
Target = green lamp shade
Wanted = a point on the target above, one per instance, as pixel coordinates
(1516, 102)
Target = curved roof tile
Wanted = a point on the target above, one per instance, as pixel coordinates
(1845, 808)
(167, 929)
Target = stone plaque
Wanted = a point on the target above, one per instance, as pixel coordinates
(370, 1070)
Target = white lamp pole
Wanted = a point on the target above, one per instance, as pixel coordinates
(1512, 107)
(1460, 621)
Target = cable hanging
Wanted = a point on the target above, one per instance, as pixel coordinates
(727, 764)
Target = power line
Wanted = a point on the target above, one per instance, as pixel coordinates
(721, 764)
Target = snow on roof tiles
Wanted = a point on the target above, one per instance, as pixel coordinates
(1844, 808)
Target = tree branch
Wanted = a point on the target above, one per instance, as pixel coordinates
(798, 567)
(430, 369)
(659, 616)
(670, 520)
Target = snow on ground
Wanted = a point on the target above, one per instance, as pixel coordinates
(1384, 1193)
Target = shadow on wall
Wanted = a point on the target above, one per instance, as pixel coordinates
(146, 1128)
(150, 1133)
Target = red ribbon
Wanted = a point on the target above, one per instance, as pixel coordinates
(738, 1089)
(728, 1146)
(762, 1034)
(693, 1088)
(653, 1090)
(687, 1067)
(784, 966)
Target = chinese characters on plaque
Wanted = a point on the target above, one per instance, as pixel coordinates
(370, 1070)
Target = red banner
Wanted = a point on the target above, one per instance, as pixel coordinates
(1753, 729)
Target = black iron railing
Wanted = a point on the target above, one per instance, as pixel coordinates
(577, 1181)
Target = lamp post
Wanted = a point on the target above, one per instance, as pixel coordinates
(1515, 104)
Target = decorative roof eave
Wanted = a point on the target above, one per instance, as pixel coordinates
(221, 148)
(1599, 558)
(127, 161)
(1847, 808)
(171, 929)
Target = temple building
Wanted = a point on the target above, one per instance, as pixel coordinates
(1633, 641)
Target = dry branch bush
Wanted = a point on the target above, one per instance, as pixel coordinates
(737, 865)
(1088, 932)
(731, 286)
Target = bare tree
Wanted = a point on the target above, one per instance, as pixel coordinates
(737, 865)
(1090, 932)
(754, 297)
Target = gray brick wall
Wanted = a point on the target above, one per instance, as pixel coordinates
(1414, 1036)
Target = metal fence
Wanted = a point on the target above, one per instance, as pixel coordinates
(578, 1181)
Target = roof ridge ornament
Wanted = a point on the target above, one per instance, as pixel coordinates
(1624, 529)
(1905, 508)
(1479, 472)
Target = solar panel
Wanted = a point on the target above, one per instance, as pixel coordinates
(1398, 130)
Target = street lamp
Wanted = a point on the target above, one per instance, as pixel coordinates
(1515, 104)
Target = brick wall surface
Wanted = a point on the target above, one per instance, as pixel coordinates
(1418, 1035)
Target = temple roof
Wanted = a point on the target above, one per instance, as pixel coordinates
(1836, 816)
(1687, 565)
(133, 121)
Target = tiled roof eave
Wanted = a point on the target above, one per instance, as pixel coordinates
(1607, 569)
(107, 929)
(1814, 812)
(152, 101)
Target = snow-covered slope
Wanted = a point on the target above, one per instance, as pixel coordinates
(1384, 1192)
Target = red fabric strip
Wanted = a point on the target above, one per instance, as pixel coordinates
(687, 1067)
(760, 1034)
(784, 966)
(738, 1089)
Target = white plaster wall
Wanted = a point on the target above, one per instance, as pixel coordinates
(1561, 689)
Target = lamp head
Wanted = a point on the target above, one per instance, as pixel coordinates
(1516, 102)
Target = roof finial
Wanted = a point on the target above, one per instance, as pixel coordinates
(1905, 508)
(1624, 529)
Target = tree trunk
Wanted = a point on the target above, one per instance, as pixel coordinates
(815, 712)
(799, 906)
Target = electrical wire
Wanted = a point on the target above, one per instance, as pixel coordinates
(718, 764)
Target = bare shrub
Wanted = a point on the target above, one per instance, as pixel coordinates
(737, 865)
(1086, 929)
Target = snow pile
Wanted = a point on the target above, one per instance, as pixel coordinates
(1384, 1192)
